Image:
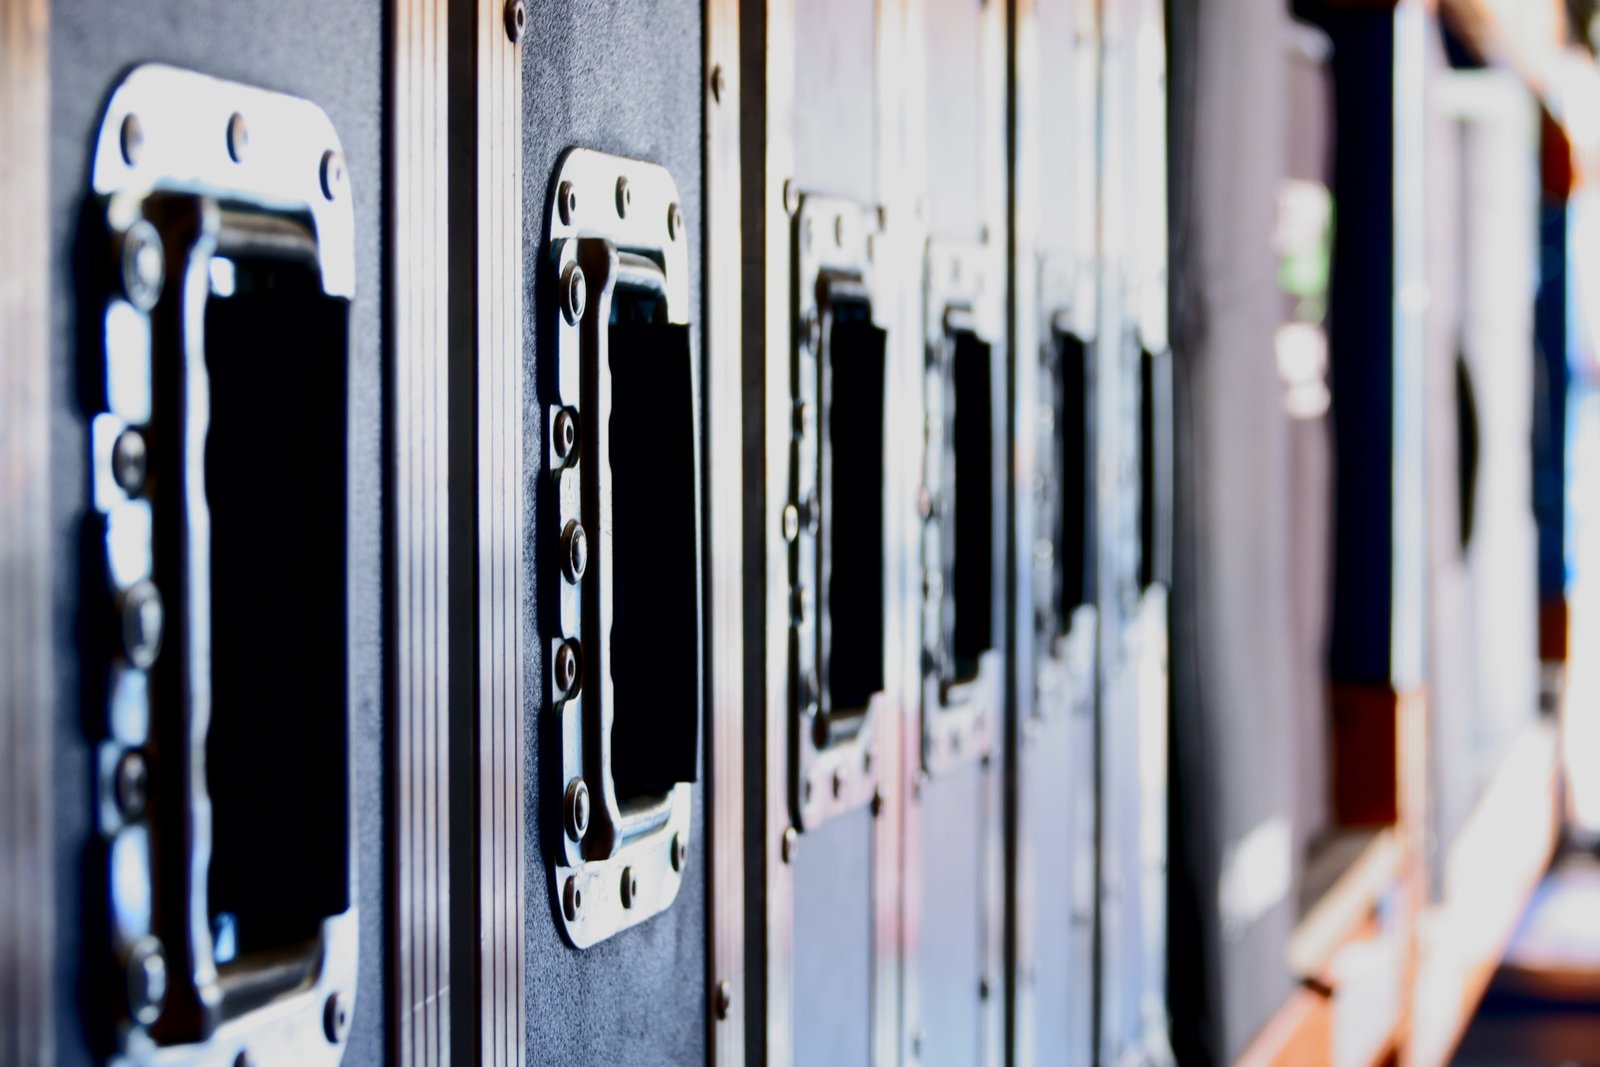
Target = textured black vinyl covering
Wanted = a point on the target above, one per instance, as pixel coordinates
(955, 118)
(328, 51)
(833, 943)
(623, 78)
(1233, 656)
(835, 98)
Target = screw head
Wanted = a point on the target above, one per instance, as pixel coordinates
(566, 202)
(577, 809)
(333, 175)
(791, 196)
(142, 618)
(147, 980)
(630, 887)
(574, 552)
(567, 668)
(719, 83)
(132, 139)
(790, 839)
(674, 222)
(144, 267)
(724, 999)
(516, 15)
(680, 852)
(572, 899)
(564, 441)
(129, 461)
(574, 293)
(238, 138)
(624, 197)
(336, 1018)
(131, 784)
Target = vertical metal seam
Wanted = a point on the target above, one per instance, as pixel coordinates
(420, 440)
(724, 447)
(27, 920)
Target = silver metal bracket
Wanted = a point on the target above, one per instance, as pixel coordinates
(962, 499)
(231, 234)
(834, 519)
(623, 433)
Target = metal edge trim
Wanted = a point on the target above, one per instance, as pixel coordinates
(27, 863)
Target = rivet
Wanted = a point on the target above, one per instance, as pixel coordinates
(574, 293)
(142, 619)
(131, 784)
(577, 809)
(129, 461)
(147, 981)
(238, 137)
(336, 1018)
(680, 852)
(624, 197)
(790, 839)
(791, 196)
(516, 15)
(132, 139)
(567, 202)
(565, 439)
(333, 174)
(567, 668)
(630, 887)
(574, 552)
(724, 999)
(791, 522)
(144, 267)
(718, 83)
(674, 222)
(572, 899)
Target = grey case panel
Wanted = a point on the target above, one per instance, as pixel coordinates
(625, 79)
(835, 115)
(833, 943)
(955, 97)
(950, 962)
(329, 52)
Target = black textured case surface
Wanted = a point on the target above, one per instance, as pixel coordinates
(329, 52)
(623, 78)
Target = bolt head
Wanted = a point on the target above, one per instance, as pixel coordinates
(790, 839)
(574, 293)
(565, 436)
(674, 222)
(129, 461)
(630, 887)
(624, 198)
(516, 16)
(572, 899)
(335, 178)
(142, 619)
(147, 981)
(567, 668)
(680, 852)
(238, 138)
(336, 1018)
(724, 999)
(574, 552)
(577, 809)
(567, 202)
(144, 266)
(132, 139)
(131, 784)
